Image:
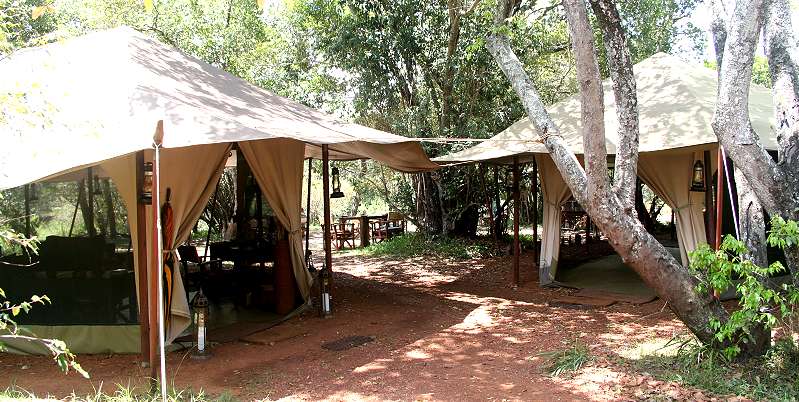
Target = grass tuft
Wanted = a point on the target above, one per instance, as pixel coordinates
(121, 394)
(568, 360)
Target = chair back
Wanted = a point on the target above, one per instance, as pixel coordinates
(189, 253)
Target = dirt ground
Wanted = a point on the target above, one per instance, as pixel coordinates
(443, 330)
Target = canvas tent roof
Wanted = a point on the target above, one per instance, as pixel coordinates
(676, 104)
(92, 98)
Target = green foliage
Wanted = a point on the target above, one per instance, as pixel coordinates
(771, 377)
(417, 244)
(760, 305)
(568, 360)
(124, 393)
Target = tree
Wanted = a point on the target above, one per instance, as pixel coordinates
(611, 207)
(774, 183)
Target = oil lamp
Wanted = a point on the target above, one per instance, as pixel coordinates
(146, 196)
(200, 305)
(336, 184)
(698, 177)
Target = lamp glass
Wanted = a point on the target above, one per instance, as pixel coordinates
(698, 177)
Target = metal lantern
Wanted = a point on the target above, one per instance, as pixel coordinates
(698, 177)
(146, 196)
(200, 305)
(324, 290)
(336, 184)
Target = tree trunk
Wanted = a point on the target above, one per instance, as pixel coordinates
(85, 211)
(110, 214)
(653, 263)
(640, 208)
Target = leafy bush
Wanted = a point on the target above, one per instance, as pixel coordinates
(759, 305)
(417, 244)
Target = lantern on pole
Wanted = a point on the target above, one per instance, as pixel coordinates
(324, 290)
(200, 305)
(146, 196)
(698, 177)
(337, 193)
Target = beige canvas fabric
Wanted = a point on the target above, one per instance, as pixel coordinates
(554, 192)
(676, 102)
(669, 176)
(192, 174)
(277, 166)
(101, 95)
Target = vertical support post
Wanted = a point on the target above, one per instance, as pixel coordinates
(326, 211)
(516, 248)
(535, 213)
(141, 256)
(498, 214)
(308, 213)
(487, 200)
(242, 173)
(91, 230)
(710, 216)
(719, 197)
(27, 191)
(156, 292)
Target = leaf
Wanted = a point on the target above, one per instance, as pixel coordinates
(148, 5)
(261, 4)
(15, 310)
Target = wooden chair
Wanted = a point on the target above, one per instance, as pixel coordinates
(379, 230)
(194, 267)
(342, 234)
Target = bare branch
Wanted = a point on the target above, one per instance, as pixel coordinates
(624, 89)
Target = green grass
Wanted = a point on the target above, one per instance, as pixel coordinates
(417, 244)
(774, 377)
(568, 360)
(121, 394)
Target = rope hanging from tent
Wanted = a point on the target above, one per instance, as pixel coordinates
(729, 192)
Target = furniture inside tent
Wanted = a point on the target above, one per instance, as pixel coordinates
(676, 102)
(97, 100)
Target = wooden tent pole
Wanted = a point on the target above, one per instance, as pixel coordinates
(326, 211)
(516, 248)
(719, 197)
(141, 256)
(27, 191)
(487, 200)
(535, 213)
(308, 212)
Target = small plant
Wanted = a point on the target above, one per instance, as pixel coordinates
(568, 360)
(760, 305)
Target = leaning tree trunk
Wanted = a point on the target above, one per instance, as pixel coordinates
(612, 211)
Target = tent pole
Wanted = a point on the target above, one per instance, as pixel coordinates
(27, 191)
(535, 213)
(710, 217)
(308, 213)
(157, 259)
(141, 256)
(326, 203)
(516, 248)
(91, 230)
(498, 214)
(487, 200)
(719, 197)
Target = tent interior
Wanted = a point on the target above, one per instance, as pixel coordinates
(676, 104)
(104, 111)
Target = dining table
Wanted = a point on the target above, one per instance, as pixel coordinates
(363, 221)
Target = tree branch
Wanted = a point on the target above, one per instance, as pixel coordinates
(624, 90)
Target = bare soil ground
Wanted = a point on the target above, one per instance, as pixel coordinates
(443, 330)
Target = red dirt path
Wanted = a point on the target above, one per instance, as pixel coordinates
(444, 330)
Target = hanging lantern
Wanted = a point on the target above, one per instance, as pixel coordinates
(324, 290)
(96, 186)
(336, 184)
(698, 177)
(200, 305)
(146, 196)
(33, 192)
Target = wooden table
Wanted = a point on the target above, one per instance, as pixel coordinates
(363, 221)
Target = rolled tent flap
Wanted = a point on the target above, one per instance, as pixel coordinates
(673, 185)
(192, 174)
(555, 192)
(277, 165)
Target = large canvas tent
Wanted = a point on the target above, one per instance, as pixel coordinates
(676, 102)
(96, 100)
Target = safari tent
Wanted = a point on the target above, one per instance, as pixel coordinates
(97, 101)
(676, 102)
